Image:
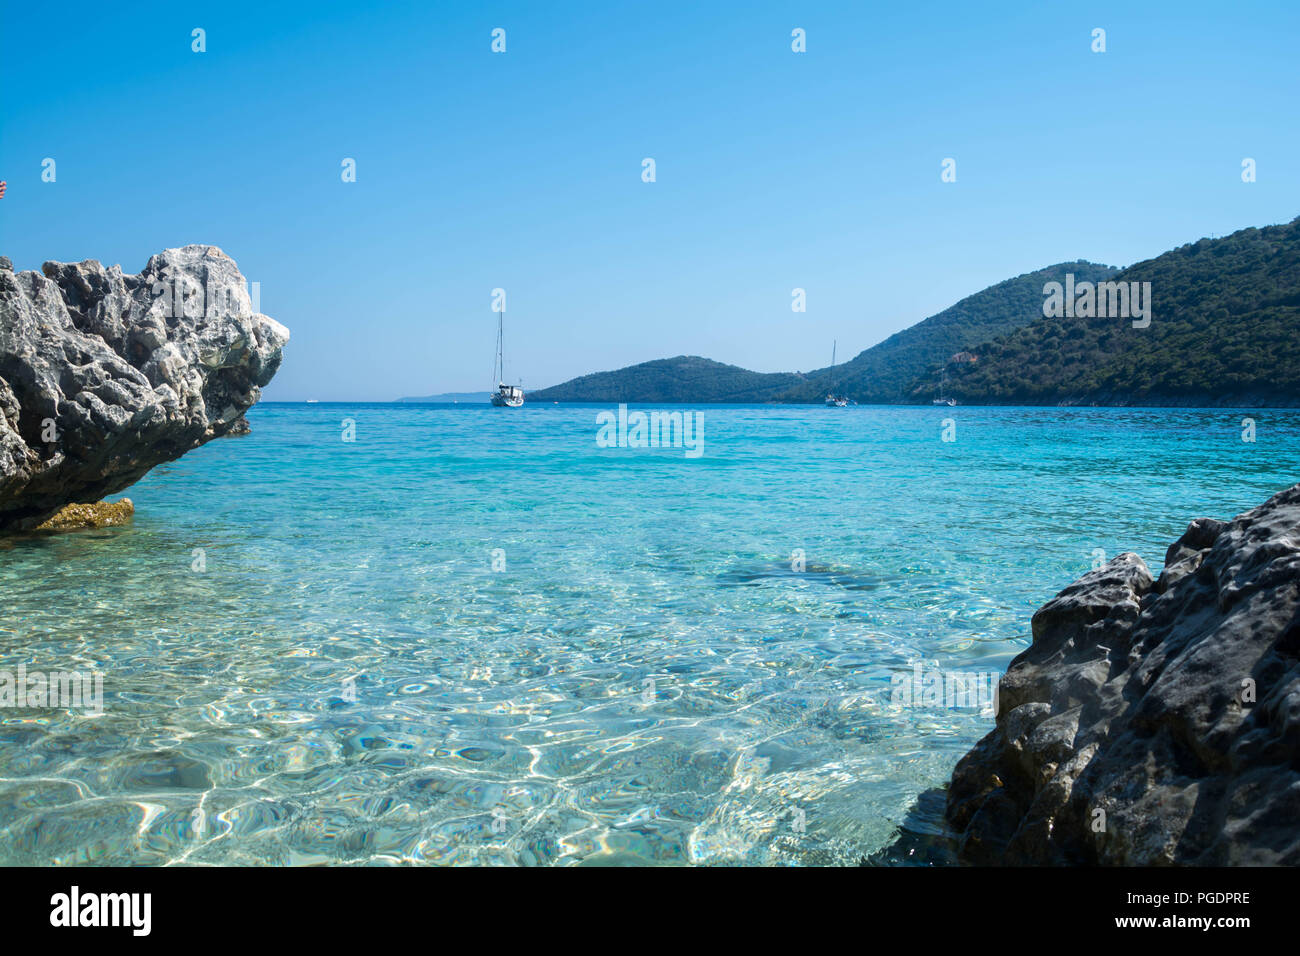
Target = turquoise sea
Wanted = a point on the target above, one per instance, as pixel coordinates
(473, 635)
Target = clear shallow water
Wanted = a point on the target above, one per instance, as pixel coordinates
(502, 717)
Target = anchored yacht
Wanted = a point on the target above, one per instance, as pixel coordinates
(506, 396)
(834, 400)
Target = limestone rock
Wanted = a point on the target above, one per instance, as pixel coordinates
(104, 374)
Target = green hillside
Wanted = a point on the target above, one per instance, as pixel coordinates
(686, 378)
(882, 373)
(888, 372)
(1224, 329)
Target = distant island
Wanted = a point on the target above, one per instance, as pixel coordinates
(686, 378)
(464, 398)
(1224, 329)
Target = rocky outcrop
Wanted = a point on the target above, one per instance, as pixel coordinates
(104, 375)
(1152, 721)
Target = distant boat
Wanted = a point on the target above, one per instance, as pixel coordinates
(942, 399)
(313, 401)
(506, 396)
(833, 400)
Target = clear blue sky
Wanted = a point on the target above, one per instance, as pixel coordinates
(523, 170)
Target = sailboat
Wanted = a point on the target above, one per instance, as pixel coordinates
(506, 396)
(941, 399)
(833, 400)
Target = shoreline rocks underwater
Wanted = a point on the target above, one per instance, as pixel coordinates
(1152, 721)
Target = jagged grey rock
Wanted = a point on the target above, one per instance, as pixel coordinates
(104, 375)
(1152, 722)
